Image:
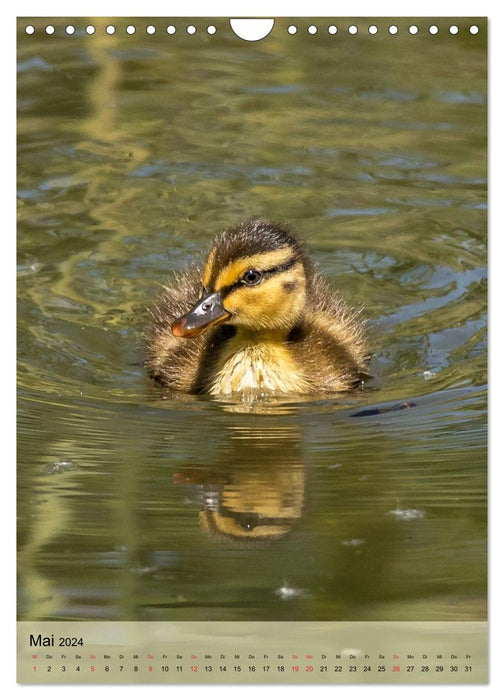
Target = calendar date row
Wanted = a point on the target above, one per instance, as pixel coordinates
(309, 668)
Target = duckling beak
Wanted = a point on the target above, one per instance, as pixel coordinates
(206, 313)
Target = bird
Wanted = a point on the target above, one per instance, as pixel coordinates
(257, 318)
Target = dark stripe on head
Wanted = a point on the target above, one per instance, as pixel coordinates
(224, 291)
(245, 240)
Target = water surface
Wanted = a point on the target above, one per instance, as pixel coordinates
(133, 153)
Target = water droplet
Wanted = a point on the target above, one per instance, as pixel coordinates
(60, 467)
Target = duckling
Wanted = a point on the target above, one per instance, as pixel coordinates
(256, 318)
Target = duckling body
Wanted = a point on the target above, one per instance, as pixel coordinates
(267, 365)
(256, 318)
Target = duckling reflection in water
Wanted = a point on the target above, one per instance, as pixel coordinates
(247, 506)
(251, 504)
(256, 318)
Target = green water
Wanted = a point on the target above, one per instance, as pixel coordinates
(134, 151)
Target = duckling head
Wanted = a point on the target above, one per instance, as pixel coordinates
(255, 278)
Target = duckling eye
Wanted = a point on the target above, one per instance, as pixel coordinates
(252, 277)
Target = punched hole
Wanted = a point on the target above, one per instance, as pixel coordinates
(454, 29)
(70, 29)
(393, 29)
(90, 29)
(433, 29)
(49, 29)
(332, 29)
(151, 29)
(211, 29)
(191, 29)
(352, 29)
(110, 29)
(474, 29)
(312, 29)
(292, 29)
(413, 29)
(30, 29)
(252, 29)
(373, 29)
(130, 29)
(171, 29)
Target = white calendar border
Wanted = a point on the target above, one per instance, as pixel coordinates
(260, 8)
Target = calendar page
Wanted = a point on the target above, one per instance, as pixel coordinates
(252, 350)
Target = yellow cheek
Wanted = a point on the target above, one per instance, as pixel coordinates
(268, 305)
